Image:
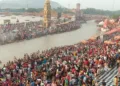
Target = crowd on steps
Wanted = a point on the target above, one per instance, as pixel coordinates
(25, 31)
(88, 63)
(76, 65)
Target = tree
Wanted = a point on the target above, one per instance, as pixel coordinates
(59, 15)
(32, 10)
(115, 16)
(94, 11)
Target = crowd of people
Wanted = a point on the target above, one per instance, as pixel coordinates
(75, 65)
(21, 31)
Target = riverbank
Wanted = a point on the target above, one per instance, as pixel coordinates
(8, 51)
(25, 31)
(71, 61)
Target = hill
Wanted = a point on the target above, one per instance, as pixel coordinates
(17, 4)
(94, 11)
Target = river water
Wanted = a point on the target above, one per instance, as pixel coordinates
(13, 19)
(7, 52)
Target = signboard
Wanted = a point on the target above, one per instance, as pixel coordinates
(7, 21)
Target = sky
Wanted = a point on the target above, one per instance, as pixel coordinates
(99, 4)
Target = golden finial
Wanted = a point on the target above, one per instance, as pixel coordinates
(47, 1)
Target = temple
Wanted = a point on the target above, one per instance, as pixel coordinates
(47, 14)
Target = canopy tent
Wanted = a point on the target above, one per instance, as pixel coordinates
(109, 42)
(112, 31)
(112, 21)
(105, 23)
(117, 37)
(101, 23)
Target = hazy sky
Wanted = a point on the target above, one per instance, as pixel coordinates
(99, 4)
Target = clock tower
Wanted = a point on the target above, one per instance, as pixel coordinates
(47, 14)
(78, 12)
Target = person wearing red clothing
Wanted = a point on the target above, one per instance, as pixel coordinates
(86, 62)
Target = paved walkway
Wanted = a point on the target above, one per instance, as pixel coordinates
(108, 77)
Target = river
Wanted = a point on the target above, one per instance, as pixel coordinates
(7, 52)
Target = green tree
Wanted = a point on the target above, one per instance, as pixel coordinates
(59, 15)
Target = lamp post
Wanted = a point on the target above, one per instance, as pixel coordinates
(26, 5)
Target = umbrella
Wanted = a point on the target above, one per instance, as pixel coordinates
(108, 42)
(93, 38)
(84, 41)
(101, 23)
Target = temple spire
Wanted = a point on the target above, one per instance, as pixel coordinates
(47, 14)
(47, 1)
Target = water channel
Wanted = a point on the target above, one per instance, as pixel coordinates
(7, 52)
